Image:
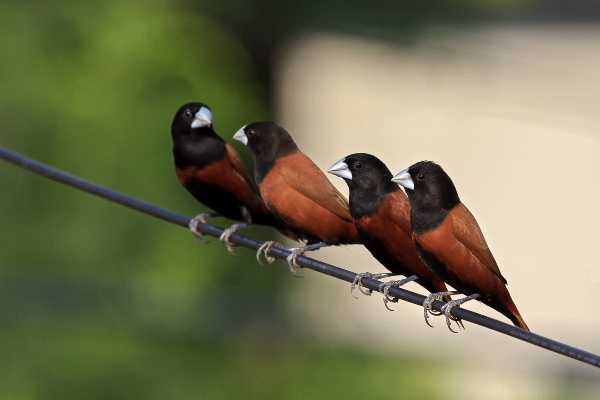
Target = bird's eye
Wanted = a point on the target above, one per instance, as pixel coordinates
(250, 132)
(421, 177)
(187, 113)
(358, 165)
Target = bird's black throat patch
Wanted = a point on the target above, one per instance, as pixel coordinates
(198, 149)
(370, 184)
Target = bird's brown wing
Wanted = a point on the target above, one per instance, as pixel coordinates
(238, 165)
(305, 177)
(467, 231)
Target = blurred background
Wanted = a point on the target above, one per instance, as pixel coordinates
(97, 301)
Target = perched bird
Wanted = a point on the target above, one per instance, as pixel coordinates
(450, 242)
(381, 214)
(213, 172)
(295, 190)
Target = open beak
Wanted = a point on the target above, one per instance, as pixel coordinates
(403, 178)
(202, 118)
(341, 169)
(241, 136)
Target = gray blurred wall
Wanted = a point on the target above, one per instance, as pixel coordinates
(512, 114)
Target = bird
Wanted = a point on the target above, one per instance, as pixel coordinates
(213, 172)
(381, 215)
(296, 191)
(449, 240)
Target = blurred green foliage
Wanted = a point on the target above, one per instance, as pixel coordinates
(93, 90)
(96, 364)
(97, 301)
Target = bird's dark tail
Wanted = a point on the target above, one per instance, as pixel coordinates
(504, 304)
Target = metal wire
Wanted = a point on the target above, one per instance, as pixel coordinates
(303, 261)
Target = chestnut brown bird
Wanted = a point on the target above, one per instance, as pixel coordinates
(381, 215)
(213, 172)
(450, 242)
(295, 190)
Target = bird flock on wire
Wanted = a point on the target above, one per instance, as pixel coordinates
(423, 232)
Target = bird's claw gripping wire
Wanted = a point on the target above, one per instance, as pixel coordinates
(224, 238)
(358, 281)
(200, 218)
(447, 308)
(298, 251)
(427, 304)
(385, 289)
(291, 260)
(264, 249)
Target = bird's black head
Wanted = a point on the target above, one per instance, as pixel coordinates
(195, 143)
(429, 186)
(267, 142)
(192, 119)
(364, 171)
(368, 179)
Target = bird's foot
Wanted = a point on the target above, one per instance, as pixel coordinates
(200, 218)
(264, 249)
(385, 289)
(224, 238)
(298, 251)
(291, 260)
(447, 308)
(427, 304)
(358, 282)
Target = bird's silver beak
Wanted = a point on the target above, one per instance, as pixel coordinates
(241, 136)
(202, 118)
(403, 178)
(341, 169)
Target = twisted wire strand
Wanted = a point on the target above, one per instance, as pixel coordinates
(303, 261)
